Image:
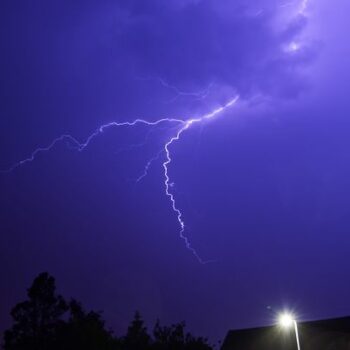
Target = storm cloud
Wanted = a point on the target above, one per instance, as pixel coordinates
(192, 44)
(264, 189)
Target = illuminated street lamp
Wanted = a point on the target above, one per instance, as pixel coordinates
(288, 321)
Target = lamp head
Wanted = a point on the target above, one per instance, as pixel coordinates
(286, 320)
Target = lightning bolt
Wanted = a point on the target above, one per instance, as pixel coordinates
(169, 185)
(148, 165)
(64, 137)
(200, 95)
(195, 95)
(80, 146)
(182, 126)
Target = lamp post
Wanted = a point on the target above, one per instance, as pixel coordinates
(287, 321)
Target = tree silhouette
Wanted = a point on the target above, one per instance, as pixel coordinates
(85, 330)
(37, 319)
(46, 322)
(175, 338)
(137, 337)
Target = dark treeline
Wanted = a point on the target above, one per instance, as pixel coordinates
(46, 321)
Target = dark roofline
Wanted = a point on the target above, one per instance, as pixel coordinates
(321, 332)
(344, 320)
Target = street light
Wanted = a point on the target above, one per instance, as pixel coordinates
(287, 320)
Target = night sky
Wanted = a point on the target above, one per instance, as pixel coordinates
(263, 187)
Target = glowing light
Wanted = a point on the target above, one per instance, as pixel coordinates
(301, 10)
(182, 126)
(286, 320)
(303, 6)
(293, 47)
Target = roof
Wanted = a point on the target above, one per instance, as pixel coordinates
(329, 334)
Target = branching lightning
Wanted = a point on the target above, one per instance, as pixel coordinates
(195, 95)
(181, 124)
(62, 138)
(198, 95)
(148, 165)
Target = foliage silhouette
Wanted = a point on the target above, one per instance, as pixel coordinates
(137, 337)
(37, 319)
(47, 322)
(175, 338)
(84, 330)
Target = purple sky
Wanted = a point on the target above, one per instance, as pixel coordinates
(263, 187)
